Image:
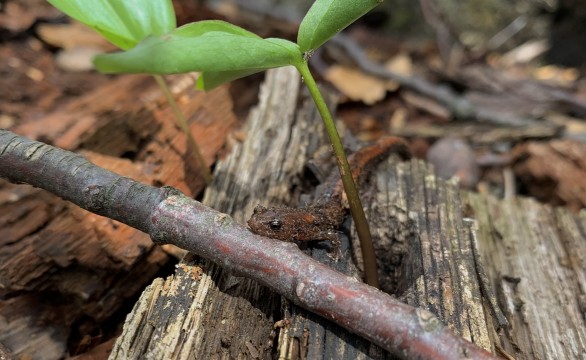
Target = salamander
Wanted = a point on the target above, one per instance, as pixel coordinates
(321, 219)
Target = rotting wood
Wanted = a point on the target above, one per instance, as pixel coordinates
(221, 314)
(18, 156)
(170, 217)
(88, 266)
(262, 169)
(433, 259)
(425, 257)
(72, 123)
(59, 259)
(535, 257)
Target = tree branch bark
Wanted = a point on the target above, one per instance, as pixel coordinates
(169, 217)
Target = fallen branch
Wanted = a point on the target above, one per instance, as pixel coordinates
(169, 217)
(459, 106)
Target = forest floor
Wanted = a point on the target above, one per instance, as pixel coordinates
(522, 131)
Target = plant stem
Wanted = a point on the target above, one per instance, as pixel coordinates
(370, 268)
(180, 119)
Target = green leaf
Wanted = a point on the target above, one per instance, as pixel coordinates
(212, 79)
(326, 18)
(122, 22)
(206, 46)
(201, 27)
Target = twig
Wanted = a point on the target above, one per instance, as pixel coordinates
(447, 40)
(506, 33)
(170, 217)
(460, 107)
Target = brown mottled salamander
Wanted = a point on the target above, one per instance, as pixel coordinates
(321, 219)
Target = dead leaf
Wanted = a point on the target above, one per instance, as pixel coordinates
(77, 59)
(69, 36)
(356, 85)
(400, 64)
(554, 172)
(557, 75)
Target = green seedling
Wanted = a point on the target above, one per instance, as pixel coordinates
(125, 24)
(223, 52)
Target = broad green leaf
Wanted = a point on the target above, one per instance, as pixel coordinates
(326, 18)
(122, 22)
(211, 79)
(206, 46)
(201, 27)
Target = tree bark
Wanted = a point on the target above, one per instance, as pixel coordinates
(65, 273)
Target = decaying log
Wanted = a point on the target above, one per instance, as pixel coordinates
(64, 271)
(535, 258)
(225, 315)
(265, 170)
(424, 249)
(170, 217)
(432, 252)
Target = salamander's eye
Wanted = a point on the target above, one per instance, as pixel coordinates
(276, 224)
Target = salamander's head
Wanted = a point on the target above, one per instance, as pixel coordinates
(282, 223)
(269, 223)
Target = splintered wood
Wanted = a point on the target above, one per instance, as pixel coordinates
(535, 258)
(216, 314)
(178, 317)
(525, 301)
(430, 239)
